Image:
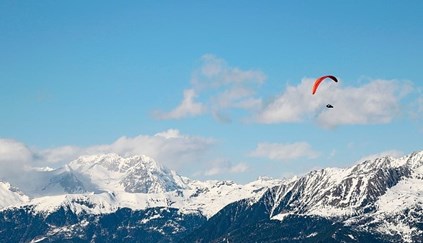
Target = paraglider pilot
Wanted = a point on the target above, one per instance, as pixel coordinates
(317, 83)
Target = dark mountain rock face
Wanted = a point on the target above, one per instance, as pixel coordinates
(297, 229)
(234, 216)
(356, 190)
(239, 223)
(151, 225)
(377, 200)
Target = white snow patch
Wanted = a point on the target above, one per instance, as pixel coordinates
(10, 196)
(329, 211)
(156, 216)
(390, 228)
(405, 194)
(280, 216)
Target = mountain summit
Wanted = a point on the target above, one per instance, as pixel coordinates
(108, 197)
(108, 182)
(377, 200)
(10, 195)
(136, 174)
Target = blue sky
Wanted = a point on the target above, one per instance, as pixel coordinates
(214, 90)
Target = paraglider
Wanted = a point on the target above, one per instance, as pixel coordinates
(319, 80)
(317, 83)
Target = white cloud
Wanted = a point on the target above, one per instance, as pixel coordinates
(237, 97)
(188, 107)
(15, 160)
(21, 165)
(284, 152)
(221, 166)
(391, 153)
(170, 148)
(59, 154)
(12, 152)
(169, 133)
(215, 72)
(238, 168)
(292, 106)
(221, 88)
(15, 157)
(372, 103)
(377, 101)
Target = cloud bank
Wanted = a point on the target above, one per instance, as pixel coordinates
(21, 164)
(170, 148)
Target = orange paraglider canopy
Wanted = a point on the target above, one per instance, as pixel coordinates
(319, 80)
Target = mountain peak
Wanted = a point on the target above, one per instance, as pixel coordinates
(415, 160)
(10, 195)
(383, 195)
(116, 162)
(138, 173)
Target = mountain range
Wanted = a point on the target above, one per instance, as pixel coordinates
(108, 198)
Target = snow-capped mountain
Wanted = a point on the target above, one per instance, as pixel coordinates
(375, 200)
(352, 191)
(10, 195)
(338, 192)
(108, 182)
(167, 206)
(60, 181)
(137, 174)
(108, 197)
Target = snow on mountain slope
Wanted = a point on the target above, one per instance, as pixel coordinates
(338, 192)
(383, 195)
(206, 198)
(386, 193)
(137, 174)
(62, 181)
(88, 203)
(103, 183)
(373, 188)
(10, 195)
(210, 196)
(408, 192)
(400, 209)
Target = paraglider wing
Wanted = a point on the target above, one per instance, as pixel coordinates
(319, 80)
